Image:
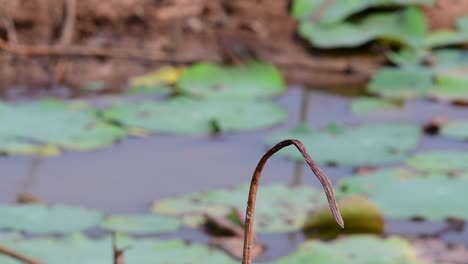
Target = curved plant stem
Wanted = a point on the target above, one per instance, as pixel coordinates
(249, 216)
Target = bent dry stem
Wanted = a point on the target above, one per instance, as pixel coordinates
(249, 215)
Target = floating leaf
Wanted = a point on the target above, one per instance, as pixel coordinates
(155, 82)
(359, 214)
(77, 249)
(354, 250)
(404, 194)
(337, 11)
(406, 27)
(370, 144)
(187, 116)
(457, 129)
(279, 208)
(141, 223)
(441, 161)
(30, 127)
(42, 219)
(249, 81)
(401, 83)
(370, 104)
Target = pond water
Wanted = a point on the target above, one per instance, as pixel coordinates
(129, 176)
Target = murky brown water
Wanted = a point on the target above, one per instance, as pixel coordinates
(130, 175)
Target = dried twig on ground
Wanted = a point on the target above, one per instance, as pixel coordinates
(11, 253)
(249, 217)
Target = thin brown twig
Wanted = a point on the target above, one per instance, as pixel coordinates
(249, 216)
(78, 51)
(11, 253)
(69, 23)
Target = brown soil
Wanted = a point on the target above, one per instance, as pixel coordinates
(444, 13)
(72, 42)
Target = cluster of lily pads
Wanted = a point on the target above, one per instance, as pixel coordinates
(423, 67)
(206, 99)
(57, 239)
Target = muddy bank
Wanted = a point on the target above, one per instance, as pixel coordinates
(71, 43)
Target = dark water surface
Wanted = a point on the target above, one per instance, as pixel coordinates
(129, 176)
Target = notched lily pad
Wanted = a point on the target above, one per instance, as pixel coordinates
(43, 219)
(401, 194)
(38, 127)
(354, 250)
(188, 116)
(252, 80)
(140, 224)
(278, 209)
(369, 144)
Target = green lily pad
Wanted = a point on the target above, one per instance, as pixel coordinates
(78, 249)
(404, 194)
(42, 219)
(141, 223)
(406, 27)
(441, 161)
(457, 129)
(337, 11)
(370, 105)
(28, 127)
(363, 249)
(278, 209)
(252, 80)
(401, 83)
(370, 144)
(188, 116)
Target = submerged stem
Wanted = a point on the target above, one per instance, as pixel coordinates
(249, 216)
